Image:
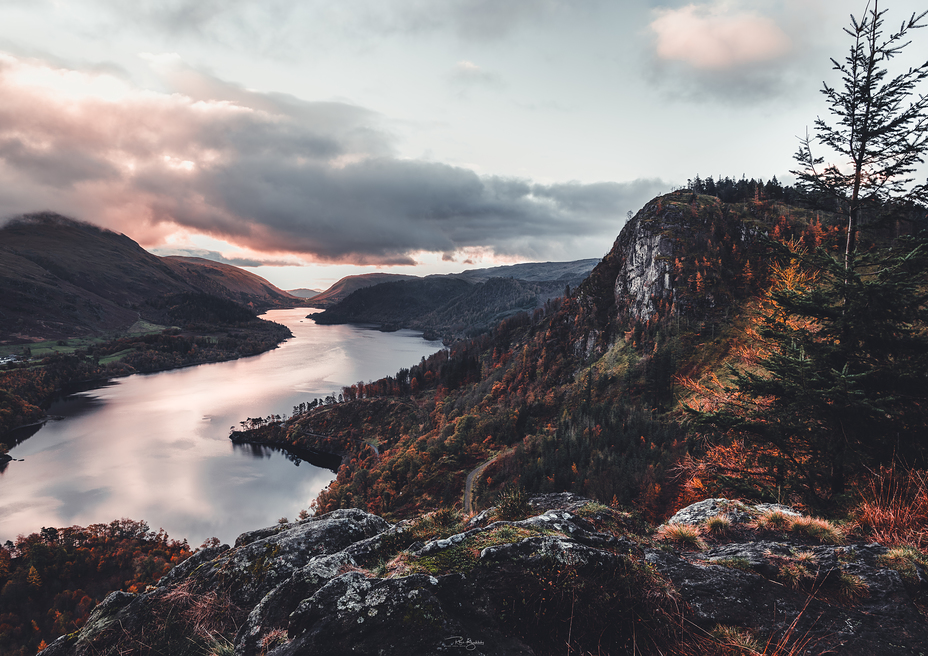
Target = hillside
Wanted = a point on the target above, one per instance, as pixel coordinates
(341, 289)
(392, 304)
(589, 394)
(441, 305)
(567, 272)
(230, 282)
(302, 292)
(62, 278)
(79, 303)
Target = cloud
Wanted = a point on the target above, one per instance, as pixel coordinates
(182, 16)
(216, 256)
(268, 172)
(726, 50)
(468, 73)
(716, 37)
(264, 23)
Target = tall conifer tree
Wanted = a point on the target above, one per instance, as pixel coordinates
(881, 129)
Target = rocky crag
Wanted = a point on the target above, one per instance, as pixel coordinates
(557, 572)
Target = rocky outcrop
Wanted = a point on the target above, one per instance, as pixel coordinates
(685, 252)
(645, 278)
(573, 573)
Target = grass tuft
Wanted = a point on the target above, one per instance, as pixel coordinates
(739, 641)
(851, 587)
(894, 506)
(817, 529)
(718, 525)
(686, 535)
(775, 520)
(736, 562)
(906, 560)
(512, 504)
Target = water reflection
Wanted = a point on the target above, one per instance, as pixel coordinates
(293, 454)
(156, 447)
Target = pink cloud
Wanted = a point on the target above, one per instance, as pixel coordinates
(717, 36)
(267, 172)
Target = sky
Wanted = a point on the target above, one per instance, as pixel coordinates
(309, 140)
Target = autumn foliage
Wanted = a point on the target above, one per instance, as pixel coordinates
(50, 581)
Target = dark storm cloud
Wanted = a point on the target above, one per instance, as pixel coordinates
(276, 174)
(216, 256)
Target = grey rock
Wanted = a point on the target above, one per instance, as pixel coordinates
(307, 588)
(738, 513)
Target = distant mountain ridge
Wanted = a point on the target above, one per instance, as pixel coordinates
(457, 305)
(574, 271)
(344, 287)
(62, 278)
(302, 292)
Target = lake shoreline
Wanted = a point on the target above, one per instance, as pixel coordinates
(156, 446)
(68, 387)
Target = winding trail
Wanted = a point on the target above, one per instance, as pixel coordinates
(469, 483)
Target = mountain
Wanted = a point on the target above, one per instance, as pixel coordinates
(394, 303)
(569, 272)
(348, 284)
(63, 278)
(302, 292)
(584, 394)
(442, 305)
(506, 495)
(230, 282)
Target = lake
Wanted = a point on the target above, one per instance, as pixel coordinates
(156, 446)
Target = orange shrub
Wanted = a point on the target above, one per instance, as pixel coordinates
(894, 506)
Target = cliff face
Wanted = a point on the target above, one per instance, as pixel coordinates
(685, 252)
(646, 251)
(570, 572)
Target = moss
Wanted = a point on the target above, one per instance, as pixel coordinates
(734, 563)
(593, 508)
(464, 556)
(904, 560)
(458, 558)
(423, 616)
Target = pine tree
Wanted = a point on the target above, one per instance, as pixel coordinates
(33, 578)
(881, 133)
(842, 386)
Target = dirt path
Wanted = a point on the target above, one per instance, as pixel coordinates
(469, 483)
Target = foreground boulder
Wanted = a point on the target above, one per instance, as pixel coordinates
(570, 572)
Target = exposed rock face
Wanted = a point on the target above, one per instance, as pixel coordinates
(647, 255)
(738, 513)
(682, 251)
(349, 582)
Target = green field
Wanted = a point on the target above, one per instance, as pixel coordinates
(41, 349)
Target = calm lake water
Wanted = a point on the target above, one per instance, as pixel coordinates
(156, 446)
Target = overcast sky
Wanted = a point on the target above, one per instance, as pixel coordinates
(314, 139)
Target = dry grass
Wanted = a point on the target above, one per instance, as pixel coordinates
(894, 507)
(718, 525)
(775, 520)
(795, 574)
(685, 535)
(817, 529)
(206, 614)
(906, 560)
(734, 640)
(851, 587)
